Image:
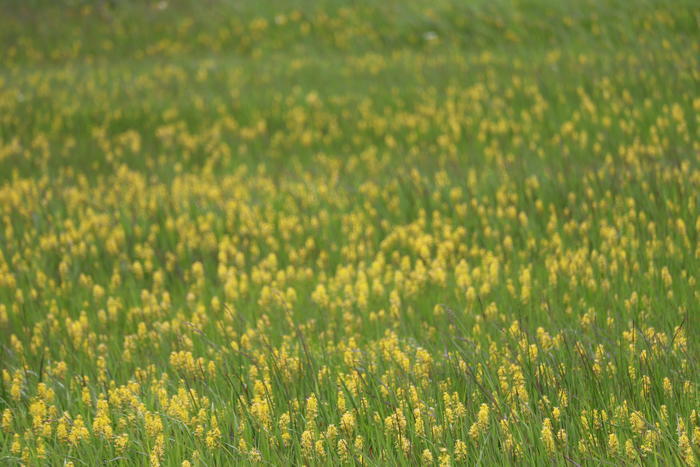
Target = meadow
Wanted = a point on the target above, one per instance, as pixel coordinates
(349, 232)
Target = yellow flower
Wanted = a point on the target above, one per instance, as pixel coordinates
(6, 420)
(637, 422)
(343, 450)
(444, 459)
(255, 456)
(78, 431)
(16, 446)
(347, 422)
(547, 437)
(613, 444)
(120, 442)
(427, 457)
(481, 425)
(213, 438)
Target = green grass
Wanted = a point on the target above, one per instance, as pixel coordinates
(478, 218)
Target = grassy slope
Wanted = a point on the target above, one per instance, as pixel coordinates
(120, 103)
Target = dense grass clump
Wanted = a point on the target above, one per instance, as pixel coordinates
(376, 233)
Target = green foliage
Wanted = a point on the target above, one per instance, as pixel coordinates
(359, 232)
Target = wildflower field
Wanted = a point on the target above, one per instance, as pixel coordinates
(436, 232)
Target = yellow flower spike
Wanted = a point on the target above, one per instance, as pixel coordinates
(102, 424)
(460, 451)
(153, 424)
(685, 447)
(696, 437)
(307, 443)
(556, 413)
(359, 443)
(16, 386)
(78, 431)
(7, 418)
(637, 422)
(255, 456)
(343, 450)
(213, 438)
(16, 446)
(547, 437)
(331, 433)
(426, 457)
(120, 442)
(444, 458)
(630, 450)
(348, 422)
(613, 444)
